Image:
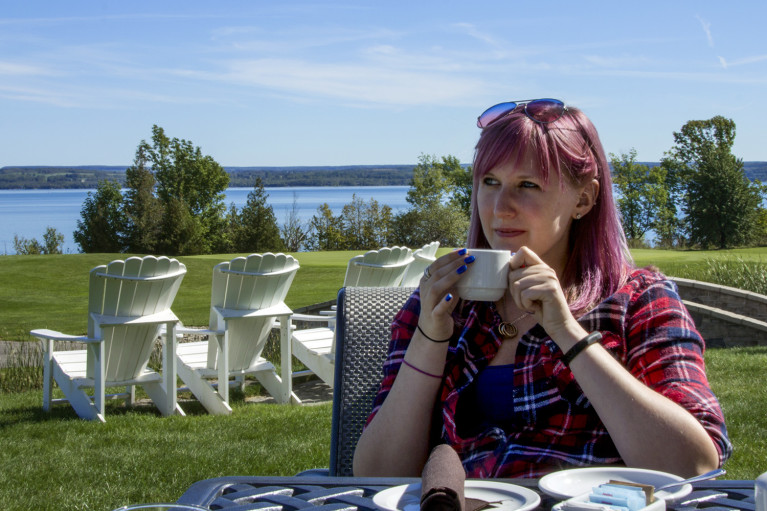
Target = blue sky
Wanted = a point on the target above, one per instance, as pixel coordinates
(346, 82)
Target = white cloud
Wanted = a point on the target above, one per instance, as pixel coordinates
(352, 82)
(13, 68)
(707, 29)
(746, 60)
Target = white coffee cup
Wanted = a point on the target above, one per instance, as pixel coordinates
(486, 279)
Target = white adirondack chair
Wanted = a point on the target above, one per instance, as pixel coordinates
(422, 258)
(378, 268)
(247, 296)
(315, 347)
(128, 302)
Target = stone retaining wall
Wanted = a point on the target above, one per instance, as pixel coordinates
(725, 316)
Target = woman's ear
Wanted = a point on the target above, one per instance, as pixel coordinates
(587, 199)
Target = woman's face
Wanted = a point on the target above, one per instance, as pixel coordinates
(516, 209)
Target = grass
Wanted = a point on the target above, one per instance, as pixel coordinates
(739, 380)
(56, 461)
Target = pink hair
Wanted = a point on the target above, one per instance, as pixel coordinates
(599, 259)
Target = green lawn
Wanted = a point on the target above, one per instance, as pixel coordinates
(57, 461)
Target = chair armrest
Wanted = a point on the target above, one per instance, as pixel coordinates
(328, 320)
(44, 333)
(198, 331)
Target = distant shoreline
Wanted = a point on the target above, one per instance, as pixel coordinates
(88, 176)
(43, 177)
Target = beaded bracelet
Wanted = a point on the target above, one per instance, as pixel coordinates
(432, 340)
(580, 346)
(414, 368)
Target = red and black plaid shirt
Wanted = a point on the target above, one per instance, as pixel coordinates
(644, 325)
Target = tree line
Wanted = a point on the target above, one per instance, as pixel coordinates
(88, 177)
(173, 203)
(699, 195)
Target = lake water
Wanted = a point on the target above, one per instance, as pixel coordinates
(27, 213)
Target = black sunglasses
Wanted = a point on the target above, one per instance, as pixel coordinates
(543, 111)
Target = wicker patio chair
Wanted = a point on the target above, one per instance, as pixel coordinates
(363, 330)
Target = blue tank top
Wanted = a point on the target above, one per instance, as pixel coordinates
(494, 395)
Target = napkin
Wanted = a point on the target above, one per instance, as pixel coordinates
(442, 481)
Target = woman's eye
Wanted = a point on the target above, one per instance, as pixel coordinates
(528, 184)
(490, 181)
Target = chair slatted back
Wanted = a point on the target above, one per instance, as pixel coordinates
(378, 268)
(130, 288)
(251, 283)
(422, 258)
(363, 332)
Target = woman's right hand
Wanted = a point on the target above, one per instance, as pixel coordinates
(437, 300)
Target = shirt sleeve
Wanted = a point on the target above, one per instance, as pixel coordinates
(402, 329)
(665, 352)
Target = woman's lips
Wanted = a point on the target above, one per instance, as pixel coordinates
(508, 233)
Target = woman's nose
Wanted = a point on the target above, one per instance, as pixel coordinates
(505, 204)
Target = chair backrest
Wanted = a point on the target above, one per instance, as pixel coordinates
(422, 258)
(378, 268)
(130, 288)
(363, 331)
(251, 283)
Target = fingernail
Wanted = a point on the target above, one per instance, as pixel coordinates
(462, 251)
(448, 297)
(469, 259)
(461, 269)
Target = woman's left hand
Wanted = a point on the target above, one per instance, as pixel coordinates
(535, 288)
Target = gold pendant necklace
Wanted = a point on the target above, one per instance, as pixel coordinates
(508, 329)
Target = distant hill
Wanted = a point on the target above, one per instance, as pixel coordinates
(88, 176)
(31, 177)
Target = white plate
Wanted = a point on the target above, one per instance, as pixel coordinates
(408, 497)
(566, 484)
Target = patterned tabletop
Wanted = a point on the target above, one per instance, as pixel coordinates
(240, 493)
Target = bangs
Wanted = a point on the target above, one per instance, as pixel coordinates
(511, 142)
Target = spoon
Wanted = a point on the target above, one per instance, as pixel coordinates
(703, 477)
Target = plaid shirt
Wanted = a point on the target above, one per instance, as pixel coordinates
(644, 325)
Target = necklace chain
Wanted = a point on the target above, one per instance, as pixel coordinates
(508, 329)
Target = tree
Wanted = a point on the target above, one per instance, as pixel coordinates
(717, 199)
(52, 242)
(294, 233)
(143, 211)
(257, 229)
(24, 246)
(326, 230)
(186, 178)
(365, 226)
(723, 205)
(102, 220)
(440, 199)
(643, 195)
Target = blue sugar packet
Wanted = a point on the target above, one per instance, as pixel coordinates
(619, 496)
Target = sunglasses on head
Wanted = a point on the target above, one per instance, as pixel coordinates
(543, 111)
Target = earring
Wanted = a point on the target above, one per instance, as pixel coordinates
(578, 216)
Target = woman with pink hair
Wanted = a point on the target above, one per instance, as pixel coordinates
(585, 360)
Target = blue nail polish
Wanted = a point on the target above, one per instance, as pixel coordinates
(462, 251)
(448, 297)
(461, 269)
(469, 259)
